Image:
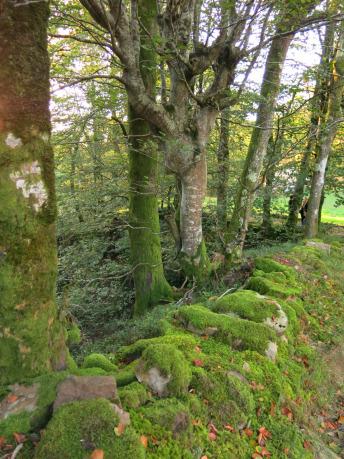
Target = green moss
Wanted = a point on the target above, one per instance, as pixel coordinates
(126, 375)
(96, 371)
(74, 335)
(247, 305)
(170, 413)
(171, 363)
(99, 361)
(269, 265)
(267, 286)
(198, 266)
(134, 395)
(15, 423)
(182, 341)
(310, 256)
(239, 333)
(85, 421)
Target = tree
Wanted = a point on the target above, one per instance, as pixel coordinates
(32, 337)
(327, 133)
(288, 20)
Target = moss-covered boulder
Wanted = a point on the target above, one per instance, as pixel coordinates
(99, 361)
(27, 407)
(268, 265)
(272, 284)
(80, 427)
(134, 395)
(251, 305)
(164, 369)
(239, 333)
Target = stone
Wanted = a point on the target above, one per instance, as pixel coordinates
(124, 416)
(237, 375)
(319, 245)
(153, 379)
(85, 388)
(279, 322)
(20, 399)
(271, 351)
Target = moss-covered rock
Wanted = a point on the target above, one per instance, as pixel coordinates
(164, 369)
(268, 285)
(268, 265)
(99, 361)
(78, 424)
(239, 333)
(134, 395)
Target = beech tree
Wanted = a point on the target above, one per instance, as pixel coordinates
(327, 133)
(31, 336)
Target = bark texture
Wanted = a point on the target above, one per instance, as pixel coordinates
(250, 177)
(222, 172)
(31, 336)
(151, 287)
(327, 134)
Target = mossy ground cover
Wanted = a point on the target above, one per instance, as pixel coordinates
(228, 399)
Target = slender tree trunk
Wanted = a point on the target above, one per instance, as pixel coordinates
(318, 110)
(249, 181)
(328, 131)
(222, 173)
(193, 254)
(272, 155)
(32, 338)
(151, 286)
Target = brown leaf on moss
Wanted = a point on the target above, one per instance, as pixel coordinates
(144, 440)
(97, 454)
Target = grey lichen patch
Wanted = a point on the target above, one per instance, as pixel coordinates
(271, 351)
(28, 180)
(12, 141)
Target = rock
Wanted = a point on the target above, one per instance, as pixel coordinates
(278, 322)
(271, 351)
(22, 398)
(124, 416)
(319, 245)
(85, 388)
(335, 364)
(237, 375)
(153, 379)
(181, 423)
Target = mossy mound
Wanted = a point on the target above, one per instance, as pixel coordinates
(134, 395)
(172, 373)
(73, 335)
(268, 265)
(99, 361)
(270, 284)
(246, 304)
(239, 333)
(78, 425)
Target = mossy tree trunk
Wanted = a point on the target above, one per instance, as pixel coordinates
(151, 286)
(31, 336)
(249, 182)
(273, 153)
(327, 134)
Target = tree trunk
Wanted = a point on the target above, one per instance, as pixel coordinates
(193, 254)
(151, 287)
(326, 137)
(249, 181)
(318, 111)
(222, 173)
(272, 155)
(32, 338)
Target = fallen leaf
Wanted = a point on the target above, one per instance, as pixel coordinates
(286, 451)
(119, 430)
(287, 412)
(341, 420)
(11, 398)
(256, 456)
(198, 349)
(212, 428)
(19, 438)
(144, 441)
(273, 409)
(198, 363)
(307, 444)
(264, 434)
(212, 436)
(265, 452)
(229, 428)
(2, 441)
(196, 422)
(97, 454)
(248, 432)
(204, 457)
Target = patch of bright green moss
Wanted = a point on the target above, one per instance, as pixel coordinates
(266, 286)
(171, 363)
(73, 335)
(239, 333)
(247, 305)
(89, 421)
(169, 413)
(99, 361)
(134, 395)
(269, 265)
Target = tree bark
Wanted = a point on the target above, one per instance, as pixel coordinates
(32, 337)
(328, 131)
(318, 110)
(273, 153)
(151, 286)
(249, 182)
(222, 173)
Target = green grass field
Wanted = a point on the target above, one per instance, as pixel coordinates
(330, 213)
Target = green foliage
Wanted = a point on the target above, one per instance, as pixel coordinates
(99, 361)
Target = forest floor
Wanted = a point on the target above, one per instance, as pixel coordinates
(255, 373)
